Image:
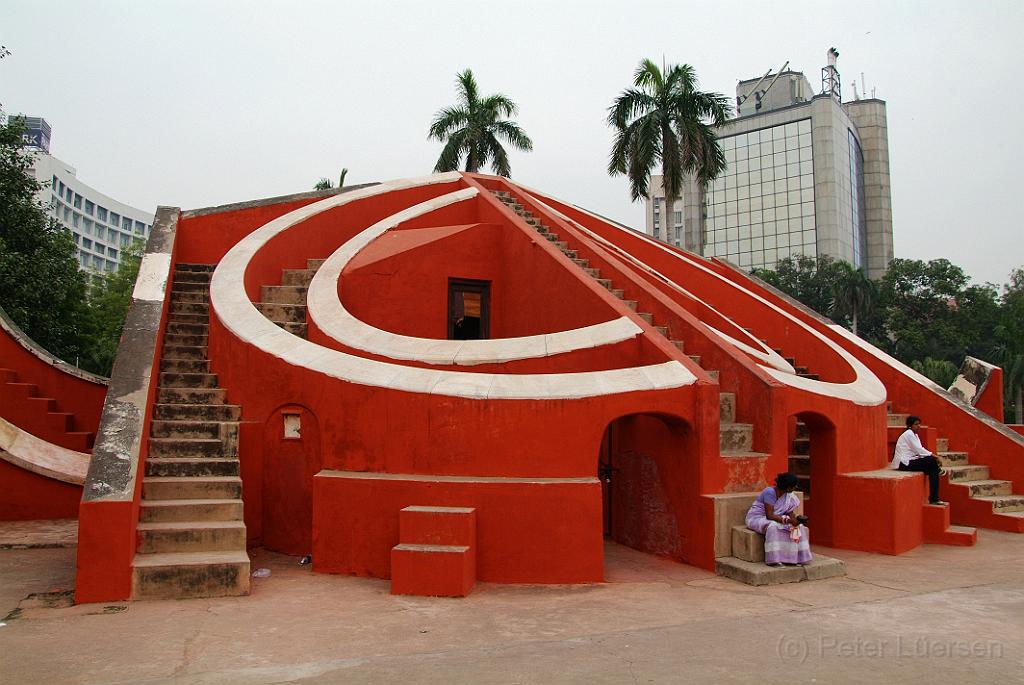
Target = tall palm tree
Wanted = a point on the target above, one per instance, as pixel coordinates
(665, 117)
(853, 293)
(473, 129)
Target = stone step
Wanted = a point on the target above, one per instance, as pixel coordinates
(191, 467)
(173, 340)
(190, 536)
(1002, 504)
(810, 376)
(314, 264)
(219, 509)
(987, 487)
(179, 575)
(187, 318)
(713, 373)
(800, 464)
(175, 328)
(190, 286)
(190, 308)
(283, 294)
(941, 444)
(735, 437)
(801, 446)
(192, 276)
(299, 277)
(802, 431)
(605, 283)
(199, 297)
(191, 395)
(188, 380)
(899, 420)
(184, 365)
(618, 292)
(171, 411)
(680, 345)
(184, 352)
(630, 303)
(189, 266)
(727, 407)
(754, 573)
(967, 472)
(206, 487)
(593, 273)
(646, 316)
(952, 458)
(571, 254)
(663, 330)
(292, 313)
(695, 358)
(185, 429)
(186, 447)
(582, 263)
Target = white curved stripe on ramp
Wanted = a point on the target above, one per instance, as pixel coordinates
(866, 389)
(26, 451)
(240, 316)
(333, 319)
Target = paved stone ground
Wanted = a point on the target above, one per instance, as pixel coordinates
(938, 614)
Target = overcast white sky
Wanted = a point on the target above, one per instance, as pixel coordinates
(198, 103)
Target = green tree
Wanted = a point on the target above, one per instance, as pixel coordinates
(41, 287)
(812, 281)
(665, 118)
(109, 299)
(853, 293)
(474, 129)
(941, 371)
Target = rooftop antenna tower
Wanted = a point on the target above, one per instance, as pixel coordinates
(830, 84)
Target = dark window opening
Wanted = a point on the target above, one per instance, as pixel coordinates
(469, 307)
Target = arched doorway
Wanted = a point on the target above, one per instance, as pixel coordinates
(813, 459)
(291, 448)
(643, 467)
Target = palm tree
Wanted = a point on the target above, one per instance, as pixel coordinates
(473, 128)
(853, 292)
(326, 184)
(665, 117)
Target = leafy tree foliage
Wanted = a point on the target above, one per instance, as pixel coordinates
(926, 314)
(109, 299)
(666, 118)
(475, 128)
(41, 288)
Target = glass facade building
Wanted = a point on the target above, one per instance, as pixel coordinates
(761, 208)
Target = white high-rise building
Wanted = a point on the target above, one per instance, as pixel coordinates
(102, 226)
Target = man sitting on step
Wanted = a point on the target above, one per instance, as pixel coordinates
(910, 455)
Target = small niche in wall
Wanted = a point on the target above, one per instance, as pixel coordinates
(292, 426)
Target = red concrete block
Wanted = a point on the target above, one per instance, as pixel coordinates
(432, 570)
(936, 528)
(419, 525)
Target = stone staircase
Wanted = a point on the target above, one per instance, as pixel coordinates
(736, 439)
(285, 304)
(976, 499)
(21, 404)
(191, 535)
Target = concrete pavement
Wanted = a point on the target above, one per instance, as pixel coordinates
(942, 614)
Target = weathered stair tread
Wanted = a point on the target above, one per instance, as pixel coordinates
(190, 558)
(758, 573)
(205, 479)
(741, 453)
(188, 502)
(189, 525)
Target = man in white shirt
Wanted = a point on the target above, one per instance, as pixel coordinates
(910, 455)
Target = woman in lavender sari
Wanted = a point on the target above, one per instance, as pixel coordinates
(773, 514)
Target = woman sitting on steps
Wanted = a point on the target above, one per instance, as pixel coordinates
(773, 514)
